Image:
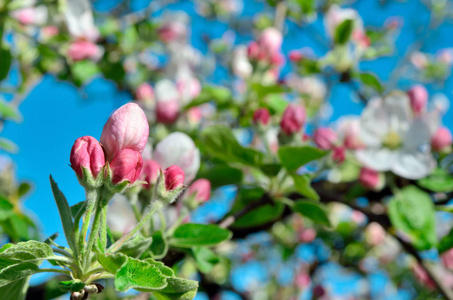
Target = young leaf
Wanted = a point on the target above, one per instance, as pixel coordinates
(163, 268)
(8, 145)
(5, 62)
(313, 211)
(22, 260)
(412, 212)
(16, 290)
(159, 246)
(139, 275)
(206, 259)
(220, 175)
(446, 243)
(343, 32)
(6, 209)
(302, 185)
(65, 215)
(372, 81)
(111, 262)
(292, 158)
(136, 246)
(439, 181)
(259, 216)
(196, 235)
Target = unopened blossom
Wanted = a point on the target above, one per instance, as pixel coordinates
(261, 116)
(145, 92)
(33, 15)
(441, 140)
(338, 154)
(240, 64)
(336, 15)
(445, 56)
(150, 172)
(302, 280)
(81, 49)
(325, 138)
(200, 190)
(309, 87)
(87, 152)
(79, 19)
(270, 41)
(194, 115)
(167, 102)
(394, 140)
(189, 87)
(174, 178)
(374, 234)
(349, 132)
(371, 179)
(419, 60)
(126, 165)
(178, 149)
(295, 56)
(418, 96)
(127, 128)
(172, 31)
(253, 50)
(50, 31)
(307, 235)
(293, 119)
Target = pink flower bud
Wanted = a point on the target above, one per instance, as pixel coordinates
(270, 40)
(49, 31)
(302, 280)
(80, 50)
(295, 56)
(174, 178)
(418, 96)
(172, 31)
(324, 138)
(253, 50)
(338, 154)
(261, 116)
(293, 119)
(145, 92)
(307, 235)
(150, 172)
(371, 179)
(374, 234)
(200, 189)
(447, 259)
(277, 59)
(127, 128)
(194, 115)
(87, 152)
(442, 139)
(318, 292)
(127, 165)
(419, 60)
(167, 112)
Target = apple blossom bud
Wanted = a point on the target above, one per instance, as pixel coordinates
(418, 96)
(371, 179)
(172, 31)
(447, 259)
(277, 59)
(145, 92)
(167, 112)
(80, 50)
(293, 119)
(127, 128)
(200, 189)
(253, 50)
(174, 178)
(178, 149)
(442, 139)
(194, 115)
(261, 116)
(302, 280)
(419, 60)
(295, 56)
(270, 40)
(339, 154)
(127, 165)
(374, 234)
(324, 138)
(150, 172)
(87, 152)
(307, 235)
(318, 292)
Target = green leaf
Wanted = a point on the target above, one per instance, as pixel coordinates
(65, 215)
(8, 111)
(193, 235)
(83, 71)
(206, 259)
(8, 145)
(292, 158)
(159, 245)
(6, 209)
(16, 290)
(343, 32)
(221, 143)
(179, 286)
(264, 90)
(439, 181)
(111, 262)
(259, 216)
(22, 260)
(275, 103)
(271, 170)
(372, 81)
(163, 268)
(313, 211)
(220, 95)
(302, 185)
(5, 62)
(71, 285)
(23, 189)
(136, 246)
(412, 212)
(139, 275)
(220, 175)
(446, 243)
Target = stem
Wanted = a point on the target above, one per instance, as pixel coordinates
(134, 199)
(280, 13)
(94, 233)
(103, 227)
(103, 275)
(154, 206)
(163, 222)
(50, 270)
(92, 198)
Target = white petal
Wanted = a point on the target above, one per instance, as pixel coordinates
(377, 159)
(417, 136)
(413, 164)
(120, 217)
(373, 123)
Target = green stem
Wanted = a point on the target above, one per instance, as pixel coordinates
(103, 228)
(163, 222)
(154, 206)
(92, 198)
(134, 199)
(50, 270)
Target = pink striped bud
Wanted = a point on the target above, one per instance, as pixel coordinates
(261, 116)
(270, 41)
(371, 179)
(253, 50)
(127, 165)
(145, 92)
(442, 139)
(339, 154)
(418, 96)
(127, 128)
(167, 112)
(325, 138)
(80, 50)
(150, 172)
(174, 178)
(200, 189)
(293, 119)
(87, 152)
(295, 56)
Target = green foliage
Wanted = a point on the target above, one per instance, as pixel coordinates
(139, 275)
(6, 209)
(16, 290)
(411, 211)
(261, 215)
(371, 80)
(5, 62)
(302, 185)
(219, 95)
(159, 246)
(446, 243)
(8, 111)
(439, 181)
(197, 235)
(343, 32)
(220, 175)
(313, 211)
(292, 158)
